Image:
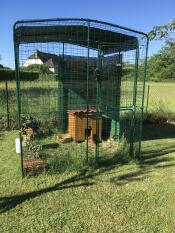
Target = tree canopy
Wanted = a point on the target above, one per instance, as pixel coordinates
(165, 31)
(161, 66)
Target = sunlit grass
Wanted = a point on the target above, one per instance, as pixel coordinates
(161, 95)
(135, 197)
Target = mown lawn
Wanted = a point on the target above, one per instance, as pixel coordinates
(161, 96)
(40, 99)
(136, 197)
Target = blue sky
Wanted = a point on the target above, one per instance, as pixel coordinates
(136, 14)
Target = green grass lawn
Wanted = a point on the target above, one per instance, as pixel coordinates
(45, 93)
(161, 95)
(41, 99)
(135, 197)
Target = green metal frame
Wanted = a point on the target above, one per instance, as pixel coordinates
(143, 93)
(16, 50)
(86, 26)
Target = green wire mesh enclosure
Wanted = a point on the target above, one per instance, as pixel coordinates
(90, 90)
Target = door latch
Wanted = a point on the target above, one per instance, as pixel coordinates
(97, 75)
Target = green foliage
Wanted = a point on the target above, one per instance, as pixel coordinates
(127, 71)
(41, 128)
(129, 198)
(12, 122)
(29, 122)
(43, 72)
(9, 75)
(161, 66)
(36, 149)
(41, 69)
(160, 114)
(66, 157)
(163, 31)
(122, 154)
(3, 123)
(72, 156)
(46, 127)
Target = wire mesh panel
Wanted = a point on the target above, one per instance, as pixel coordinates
(8, 112)
(89, 94)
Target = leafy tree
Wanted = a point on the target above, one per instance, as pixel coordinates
(161, 66)
(165, 31)
(127, 70)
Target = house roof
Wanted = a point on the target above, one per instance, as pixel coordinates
(50, 59)
(76, 34)
(81, 111)
(43, 56)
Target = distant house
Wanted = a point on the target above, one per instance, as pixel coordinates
(41, 58)
(55, 62)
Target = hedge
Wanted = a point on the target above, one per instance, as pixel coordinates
(9, 75)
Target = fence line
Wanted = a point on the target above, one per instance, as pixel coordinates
(7, 105)
(157, 96)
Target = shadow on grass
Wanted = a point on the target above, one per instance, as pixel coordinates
(150, 161)
(50, 146)
(7, 203)
(83, 179)
(158, 131)
(152, 158)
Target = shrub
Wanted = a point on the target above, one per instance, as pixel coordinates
(39, 68)
(9, 75)
(41, 128)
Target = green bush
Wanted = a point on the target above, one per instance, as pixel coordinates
(9, 75)
(161, 66)
(41, 69)
(41, 128)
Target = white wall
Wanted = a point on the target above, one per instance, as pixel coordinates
(37, 61)
(29, 62)
(52, 69)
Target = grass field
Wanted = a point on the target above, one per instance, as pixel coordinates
(159, 92)
(134, 197)
(42, 97)
(137, 197)
(161, 95)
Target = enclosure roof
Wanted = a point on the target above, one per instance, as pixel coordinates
(77, 34)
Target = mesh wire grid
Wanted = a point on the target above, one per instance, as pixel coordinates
(94, 89)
